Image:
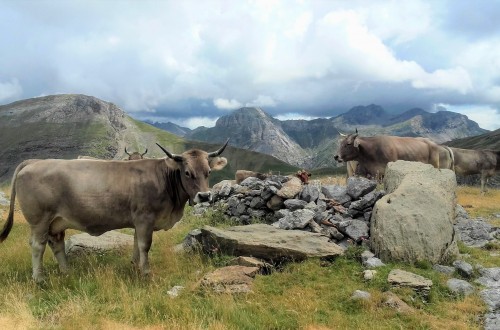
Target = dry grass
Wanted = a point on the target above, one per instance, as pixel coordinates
(478, 205)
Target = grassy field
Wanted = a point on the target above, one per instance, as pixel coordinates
(103, 291)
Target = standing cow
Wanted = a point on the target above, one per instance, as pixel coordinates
(373, 153)
(96, 196)
(470, 162)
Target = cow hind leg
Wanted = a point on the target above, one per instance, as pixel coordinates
(56, 243)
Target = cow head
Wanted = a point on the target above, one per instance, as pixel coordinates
(135, 155)
(194, 167)
(348, 148)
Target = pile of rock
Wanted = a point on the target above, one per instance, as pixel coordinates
(341, 213)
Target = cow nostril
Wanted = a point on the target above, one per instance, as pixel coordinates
(336, 157)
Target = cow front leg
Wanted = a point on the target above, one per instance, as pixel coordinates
(144, 238)
(56, 243)
(38, 243)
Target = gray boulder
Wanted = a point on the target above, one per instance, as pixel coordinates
(310, 193)
(338, 193)
(298, 219)
(475, 233)
(414, 221)
(460, 287)
(295, 204)
(490, 277)
(463, 268)
(85, 243)
(358, 186)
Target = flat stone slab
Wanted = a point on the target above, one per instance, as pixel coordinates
(111, 240)
(268, 243)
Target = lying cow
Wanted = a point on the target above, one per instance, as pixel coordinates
(470, 162)
(373, 153)
(96, 196)
(135, 155)
(241, 175)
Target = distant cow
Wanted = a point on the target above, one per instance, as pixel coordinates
(96, 196)
(241, 175)
(483, 162)
(373, 153)
(135, 155)
(304, 176)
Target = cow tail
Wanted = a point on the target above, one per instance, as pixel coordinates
(10, 219)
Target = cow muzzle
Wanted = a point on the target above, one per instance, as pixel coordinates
(203, 197)
(337, 158)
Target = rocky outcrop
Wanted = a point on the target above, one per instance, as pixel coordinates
(253, 129)
(414, 221)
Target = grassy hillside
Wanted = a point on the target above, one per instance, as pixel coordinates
(490, 140)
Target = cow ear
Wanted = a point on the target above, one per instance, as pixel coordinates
(218, 163)
(356, 142)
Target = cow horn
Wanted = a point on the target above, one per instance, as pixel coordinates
(145, 152)
(170, 155)
(342, 134)
(126, 151)
(218, 152)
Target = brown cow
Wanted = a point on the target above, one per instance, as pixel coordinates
(241, 175)
(373, 153)
(483, 162)
(135, 155)
(96, 196)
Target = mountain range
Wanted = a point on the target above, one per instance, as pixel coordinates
(312, 143)
(68, 125)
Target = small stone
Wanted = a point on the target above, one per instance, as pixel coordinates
(369, 274)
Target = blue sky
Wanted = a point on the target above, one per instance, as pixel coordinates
(190, 62)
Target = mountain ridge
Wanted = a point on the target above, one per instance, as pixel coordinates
(312, 143)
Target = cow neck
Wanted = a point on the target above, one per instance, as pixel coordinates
(174, 187)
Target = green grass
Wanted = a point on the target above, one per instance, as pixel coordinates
(103, 291)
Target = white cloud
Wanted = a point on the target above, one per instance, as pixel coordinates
(225, 104)
(10, 90)
(194, 122)
(456, 79)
